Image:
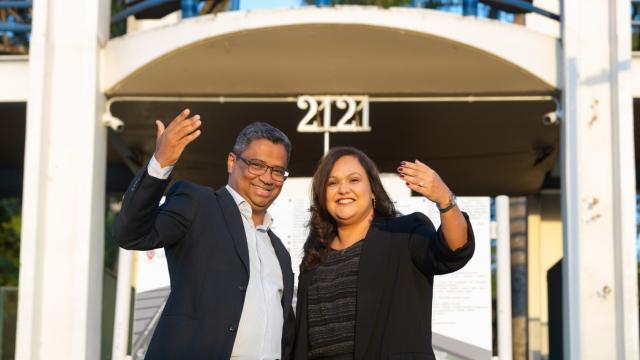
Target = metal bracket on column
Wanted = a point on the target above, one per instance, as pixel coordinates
(553, 117)
(116, 126)
(112, 122)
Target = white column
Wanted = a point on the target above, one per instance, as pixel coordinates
(503, 277)
(624, 180)
(123, 306)
(61, 259)
(599, 274)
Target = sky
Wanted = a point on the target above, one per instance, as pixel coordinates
(258, 4)
(483, 10)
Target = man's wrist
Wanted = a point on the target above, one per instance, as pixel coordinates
(156, 170)
(161, 161)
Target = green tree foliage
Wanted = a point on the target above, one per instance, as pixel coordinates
(119, 28)
(10, 221)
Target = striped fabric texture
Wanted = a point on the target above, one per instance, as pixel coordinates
(332, 305)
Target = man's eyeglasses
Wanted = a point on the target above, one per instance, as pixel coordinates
(257, 167)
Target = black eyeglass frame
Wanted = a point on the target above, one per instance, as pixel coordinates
(264, 168)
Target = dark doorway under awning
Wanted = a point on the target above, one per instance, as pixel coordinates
(479, 148)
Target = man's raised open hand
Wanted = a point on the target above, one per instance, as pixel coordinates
(171, 141)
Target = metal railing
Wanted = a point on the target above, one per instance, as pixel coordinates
(15, 26)
(15, 15)
(191, 8)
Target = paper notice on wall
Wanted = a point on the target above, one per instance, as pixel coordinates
(461, 320)
(151, 270)
(290, 217)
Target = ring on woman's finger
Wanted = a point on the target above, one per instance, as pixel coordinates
(421, 183)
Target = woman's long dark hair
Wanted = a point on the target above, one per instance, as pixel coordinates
(323, 227)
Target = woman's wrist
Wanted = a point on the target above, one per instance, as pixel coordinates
(447, 205)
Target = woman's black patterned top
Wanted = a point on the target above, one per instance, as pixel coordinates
(332, 305)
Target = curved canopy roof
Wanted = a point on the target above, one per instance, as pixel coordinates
(349, 49)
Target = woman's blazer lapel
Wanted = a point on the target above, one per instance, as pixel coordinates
(373, 278)
(301, 347)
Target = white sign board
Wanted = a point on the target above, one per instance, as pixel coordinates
(462, 300)
(152, 272)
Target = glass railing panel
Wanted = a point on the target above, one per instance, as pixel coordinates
(635, 25)
(502, 10)
(15, 15)
(15, 26)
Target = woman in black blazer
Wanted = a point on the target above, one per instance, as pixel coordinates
(366, 281)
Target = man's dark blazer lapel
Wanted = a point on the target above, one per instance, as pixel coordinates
(373, 278)
(285, 265)
(233, 219)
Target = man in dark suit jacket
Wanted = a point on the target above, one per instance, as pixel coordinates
(231, 277)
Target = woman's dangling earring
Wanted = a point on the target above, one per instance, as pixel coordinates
(373, 199)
